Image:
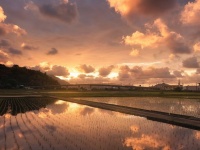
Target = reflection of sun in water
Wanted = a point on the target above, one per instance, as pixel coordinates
(20, 135)
(73, 107)
(59, 102)
(197, 135)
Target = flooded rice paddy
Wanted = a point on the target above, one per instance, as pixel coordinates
(46, 123)
(188, 107)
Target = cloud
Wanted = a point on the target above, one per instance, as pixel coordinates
(87, 111)
(2, 15)
(135, 52)
(173, 41)
(43, 66)
(178, 73)
(198, 71)
(190, 14)
(124, 73)
(141, 39)
(86, 68)
(31, 6)
(196, 47)
(191, 79)
(14, 51)
(92, 80)
(28, 47)
(191, 62)
(140, 73)
(130, 8)
(146, 141)
(105, 71)
(53, 51)
(58, 71)
(10, 28)
(4, 43)
(66, 11)
(3, 57)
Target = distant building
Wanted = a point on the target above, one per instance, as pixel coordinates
(191, 88)
(89, 87)
(167, 87)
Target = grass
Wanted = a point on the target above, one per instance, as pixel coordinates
(64, 93)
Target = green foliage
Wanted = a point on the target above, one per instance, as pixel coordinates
(15, 77)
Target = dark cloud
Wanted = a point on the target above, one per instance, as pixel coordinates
(58, 108)
(3, 57)
(51, 128)
(28, 47)
(129, 8)
(177, 45)
(86, 68)
(2, 31)
(82, 76)
(53, 51)
(58, 71)
(4, 43)
(191, 62)
(139, 73)
(14, 51)
(178, 73)
(151, 72)
(105, 71)
(155, 7)
(124, 73)
(87, 111)
(66, 12)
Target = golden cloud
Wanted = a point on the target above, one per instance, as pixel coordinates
(163, 38)
(2, 15)
(9, 28)
(190, 14)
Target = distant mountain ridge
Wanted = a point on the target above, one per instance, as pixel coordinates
(13, 77)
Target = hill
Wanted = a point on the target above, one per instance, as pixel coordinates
(14, 77)
(61, 82)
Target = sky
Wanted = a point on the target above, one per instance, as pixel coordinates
(129, 42)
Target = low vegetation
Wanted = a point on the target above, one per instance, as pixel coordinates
(65, 93)
(17, 77)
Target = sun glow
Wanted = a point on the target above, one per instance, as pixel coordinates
(73, 107)
(59, 102)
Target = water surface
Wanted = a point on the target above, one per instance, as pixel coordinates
(55, 124)
(188, 107)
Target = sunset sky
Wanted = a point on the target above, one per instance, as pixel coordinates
(104, 41)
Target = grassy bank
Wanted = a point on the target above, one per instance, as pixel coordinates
(63, 93)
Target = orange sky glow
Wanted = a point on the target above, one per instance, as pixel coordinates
(109, 41)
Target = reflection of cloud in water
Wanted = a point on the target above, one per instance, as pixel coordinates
(197, 135)
(152, 135)
(87, 111)
(51, 128)
(134, 128)
(146, 142)
(58, 107)
(44, 113)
